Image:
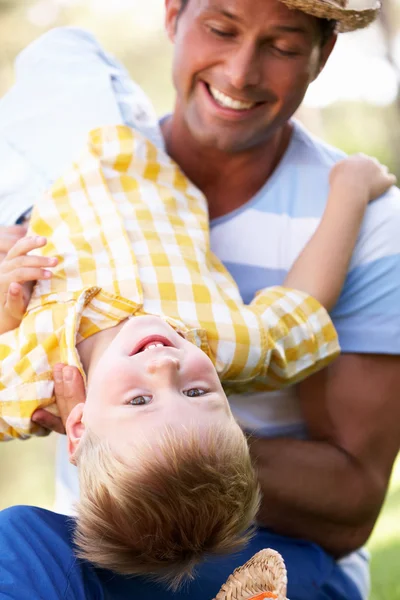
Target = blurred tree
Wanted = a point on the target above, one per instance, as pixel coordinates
(389, 21)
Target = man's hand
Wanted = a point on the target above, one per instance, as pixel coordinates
(69, 390)
(18, 272)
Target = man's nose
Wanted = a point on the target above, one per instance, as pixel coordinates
(167, 365)
(244, 69)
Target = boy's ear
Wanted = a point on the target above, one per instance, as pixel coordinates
(75, 429)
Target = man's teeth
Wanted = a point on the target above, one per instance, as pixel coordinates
(156, 345)
(229, 102)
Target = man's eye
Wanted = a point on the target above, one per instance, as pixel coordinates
(220, 32)
(139, 400)
(283, 52)
(194, 392)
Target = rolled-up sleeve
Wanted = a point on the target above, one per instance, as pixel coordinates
(300, 338)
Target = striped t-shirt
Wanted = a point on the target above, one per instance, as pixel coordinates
(274, 226)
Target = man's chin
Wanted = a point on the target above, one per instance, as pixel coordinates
(225, 141)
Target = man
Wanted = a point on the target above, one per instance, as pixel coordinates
(325, 450)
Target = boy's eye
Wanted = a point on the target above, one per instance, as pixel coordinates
(194, 392)
(139, 400)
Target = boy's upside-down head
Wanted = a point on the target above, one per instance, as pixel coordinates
(165, 471)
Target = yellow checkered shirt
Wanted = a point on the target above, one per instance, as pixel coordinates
(132, 237)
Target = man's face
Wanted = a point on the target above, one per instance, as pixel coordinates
(241, 67)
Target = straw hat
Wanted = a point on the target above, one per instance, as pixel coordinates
(349, 14)
(262, 577)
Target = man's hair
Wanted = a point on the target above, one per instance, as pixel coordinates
(169, 505)
(327, 26)
(327, 29)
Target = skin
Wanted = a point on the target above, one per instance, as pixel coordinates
(262, 52)
(132, 395)
(328, 489)
(18, 271)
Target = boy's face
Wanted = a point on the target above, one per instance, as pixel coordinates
(148, 377)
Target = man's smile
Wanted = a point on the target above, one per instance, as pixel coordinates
(229, 102)
(227, 107)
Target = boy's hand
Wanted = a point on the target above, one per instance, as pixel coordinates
(69, 390)
(364, 173)
(9, 235)
(18, 272)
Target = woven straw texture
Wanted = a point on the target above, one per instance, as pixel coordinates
(347, 19)
(263, 576)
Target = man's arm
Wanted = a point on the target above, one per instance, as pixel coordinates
(330, 489)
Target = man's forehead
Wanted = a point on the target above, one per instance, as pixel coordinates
(266, 13)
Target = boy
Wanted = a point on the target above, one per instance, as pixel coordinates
(131, 238)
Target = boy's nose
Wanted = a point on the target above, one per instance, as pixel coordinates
(163, 363)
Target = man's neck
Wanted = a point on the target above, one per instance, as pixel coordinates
(228, 180)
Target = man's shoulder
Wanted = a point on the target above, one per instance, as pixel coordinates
(299, 186)
(379, 238)
(306, 149)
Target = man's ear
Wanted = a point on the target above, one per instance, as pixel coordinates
(75, 429)
(172, 10)
(326, 52)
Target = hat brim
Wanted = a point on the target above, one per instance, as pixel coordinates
(263, 574)
(347, 19)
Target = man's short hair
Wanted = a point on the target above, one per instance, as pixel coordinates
(169, 505)
(327, 26)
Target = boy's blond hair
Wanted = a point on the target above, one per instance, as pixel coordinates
(167, 506)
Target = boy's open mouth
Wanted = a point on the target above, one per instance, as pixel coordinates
(153, 341)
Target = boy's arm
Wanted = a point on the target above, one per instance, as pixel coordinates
(301, 336)
(321, 268)
(18, 272)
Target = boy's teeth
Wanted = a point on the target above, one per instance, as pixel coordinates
(229, 102)
(156, 345)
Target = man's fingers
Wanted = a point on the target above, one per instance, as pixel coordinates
(26, 244)
(69, 389)
(45, 419)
